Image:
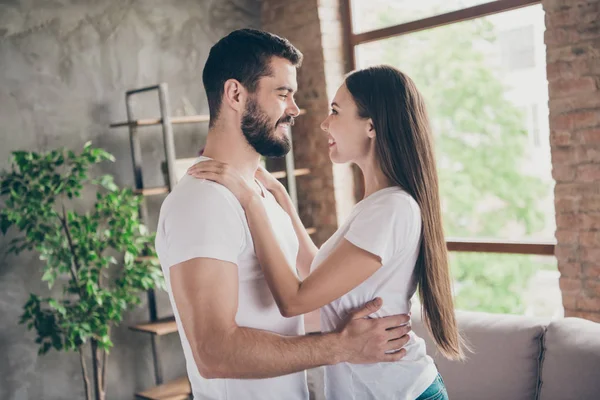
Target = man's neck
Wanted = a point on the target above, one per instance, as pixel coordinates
(227, 144)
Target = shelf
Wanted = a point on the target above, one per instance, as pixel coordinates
(189, 119)
(152, 191)
(297, 172)
(159, 328)
(177, 389)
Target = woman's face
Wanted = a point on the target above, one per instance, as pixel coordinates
(351, 139)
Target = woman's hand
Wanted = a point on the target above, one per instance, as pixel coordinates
(267, 180)
(227, 176)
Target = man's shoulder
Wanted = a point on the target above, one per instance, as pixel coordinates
(192, 193)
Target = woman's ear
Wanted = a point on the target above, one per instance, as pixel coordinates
(234, 95)
(370, 129)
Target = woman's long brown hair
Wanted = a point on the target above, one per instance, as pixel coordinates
(404, 149)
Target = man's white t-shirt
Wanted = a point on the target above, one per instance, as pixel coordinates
(200, 218)
(387, 224)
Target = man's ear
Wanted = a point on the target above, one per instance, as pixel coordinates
(234, 95)
(370, 129)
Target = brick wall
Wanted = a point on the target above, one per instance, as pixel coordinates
(313, 26)
(573, 65)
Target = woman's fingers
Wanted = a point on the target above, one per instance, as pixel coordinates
(211, 166)
(211, 176)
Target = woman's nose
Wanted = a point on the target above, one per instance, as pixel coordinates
(325, 124)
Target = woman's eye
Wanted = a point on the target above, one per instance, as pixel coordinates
(333, 112)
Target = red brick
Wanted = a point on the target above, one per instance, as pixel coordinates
(588, 101)
(560, 18)
(591, 270)
(594, 63)
(567, 70)
(564, 155)
(591, 288)
(590, 255)
(570, 285)
(567, 221)
(589, 136)
(589, 239)
(560, 36)
(566, 237)
(575, 120)
(591, 316)
(569, 301)
(588, 173)
(590, 203)
(567, 205)
(588, 154)
(590, 221)
(558, 5)
(573, 86)
(563, 173)
(577, 51)
(588, 304)
(569, 269)
(560, 138)
(566, 254)
(576, 189)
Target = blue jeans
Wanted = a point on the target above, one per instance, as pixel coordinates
(437, 391)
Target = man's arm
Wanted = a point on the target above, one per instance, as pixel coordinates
(206, 294)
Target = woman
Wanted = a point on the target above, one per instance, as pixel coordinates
(392, 242)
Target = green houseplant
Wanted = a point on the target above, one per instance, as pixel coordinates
(80, 249)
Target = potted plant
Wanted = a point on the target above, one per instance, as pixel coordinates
(94, 254)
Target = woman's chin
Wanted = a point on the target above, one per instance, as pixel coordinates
(335, 158)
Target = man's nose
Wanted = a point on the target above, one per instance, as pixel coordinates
(293, 109)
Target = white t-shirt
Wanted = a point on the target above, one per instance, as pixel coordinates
(200, 218)
(387, 224)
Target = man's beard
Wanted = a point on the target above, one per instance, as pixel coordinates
(260, 133)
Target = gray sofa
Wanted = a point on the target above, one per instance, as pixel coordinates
(517, 358)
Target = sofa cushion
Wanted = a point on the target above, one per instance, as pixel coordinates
(505, 359)
(571, 365)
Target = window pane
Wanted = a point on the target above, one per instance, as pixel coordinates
(368, 15)
(485, 84)
(505, 284)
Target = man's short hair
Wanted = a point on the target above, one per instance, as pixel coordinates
(243, 55)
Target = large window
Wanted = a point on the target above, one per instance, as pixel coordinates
(482, 72)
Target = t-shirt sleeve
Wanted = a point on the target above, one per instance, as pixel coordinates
(386, 226)
(206, 224)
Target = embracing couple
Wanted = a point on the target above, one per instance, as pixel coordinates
(241, 269)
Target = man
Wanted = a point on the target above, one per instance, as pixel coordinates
(229, 324)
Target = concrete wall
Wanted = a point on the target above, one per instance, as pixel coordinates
(64, 68)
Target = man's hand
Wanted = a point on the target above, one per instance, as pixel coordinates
(372, 340)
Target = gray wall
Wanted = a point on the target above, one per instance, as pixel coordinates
(64, 67)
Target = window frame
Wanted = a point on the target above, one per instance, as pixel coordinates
(545, 248)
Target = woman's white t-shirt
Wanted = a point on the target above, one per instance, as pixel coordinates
(387, 224)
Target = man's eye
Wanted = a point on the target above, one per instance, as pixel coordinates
(285, 96)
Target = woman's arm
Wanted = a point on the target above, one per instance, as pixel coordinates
(307, 248)
(345, 268)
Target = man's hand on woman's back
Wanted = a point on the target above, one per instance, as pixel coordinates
(371, 340)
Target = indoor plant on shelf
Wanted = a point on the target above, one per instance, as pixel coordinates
(79, 248)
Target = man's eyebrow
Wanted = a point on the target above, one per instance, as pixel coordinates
(288, 88)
